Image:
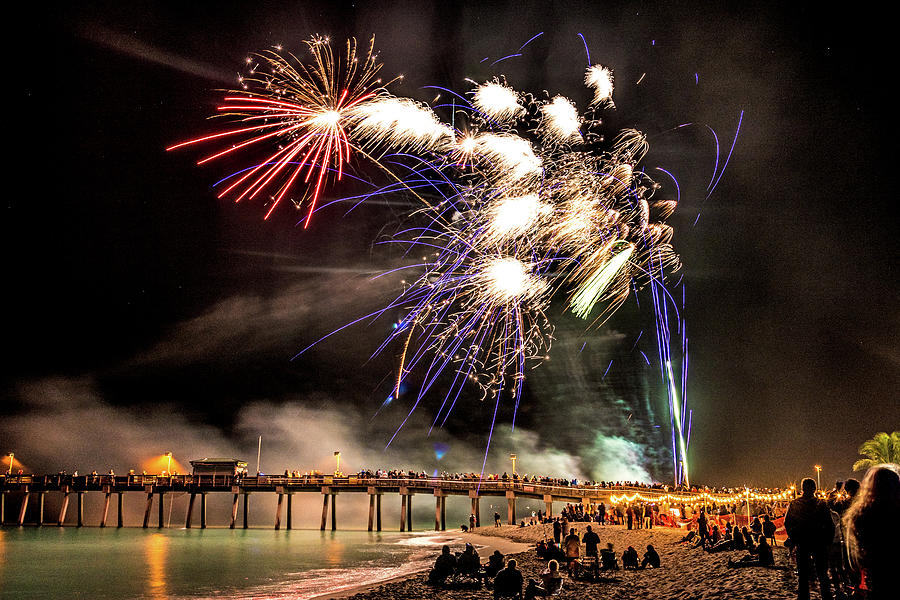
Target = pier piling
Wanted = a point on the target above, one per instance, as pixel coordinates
(108, 493)
(120, 505)
(511, 507)
(63, 507)
(290, 522)
(234, 508)
(23, 507)
(278, 508)
(203, 510)
(190, 511)
(146, 510)
(79, 507)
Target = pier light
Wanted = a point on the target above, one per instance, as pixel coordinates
(11, 457)
(513, 457)
(337, 458)
(168, 463)
(818, 469)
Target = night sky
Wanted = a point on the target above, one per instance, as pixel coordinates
(138, 301)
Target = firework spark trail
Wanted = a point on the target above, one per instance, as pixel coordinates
(305, 108)
(521, 201)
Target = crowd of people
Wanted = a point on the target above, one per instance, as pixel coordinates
(846, 539)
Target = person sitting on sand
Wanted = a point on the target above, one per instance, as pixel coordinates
(726, 543)
(468, 562)
(630, 558)
(748, 540)
(494, 565)
(608, 558)
(756, 527)
(651, 558)
(541, 550)
(688, 538)
(764, 557)
(443, 568)
(551, 582)
(737, 540)
(508, 582)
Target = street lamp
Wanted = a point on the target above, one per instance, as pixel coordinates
(337, 467)
(169, 463)
(11, 456)
(512, 457)
(818, 469)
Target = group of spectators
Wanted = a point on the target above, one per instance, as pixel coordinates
(849, 539)
(846, 538)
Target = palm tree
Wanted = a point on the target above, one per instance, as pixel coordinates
(882, 448)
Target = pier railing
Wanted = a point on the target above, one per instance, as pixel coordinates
(25, 487)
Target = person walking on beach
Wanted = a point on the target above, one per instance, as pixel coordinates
(472, 522)
(557, 530)
(809, 526)
(496, 519)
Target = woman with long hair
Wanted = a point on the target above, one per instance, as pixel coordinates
(873, 531)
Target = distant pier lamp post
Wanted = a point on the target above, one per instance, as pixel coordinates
(513, 457)
(818, 469)
(337, 467)
(11, 457)
(168, 463)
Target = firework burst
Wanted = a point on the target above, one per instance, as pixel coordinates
(302, 109)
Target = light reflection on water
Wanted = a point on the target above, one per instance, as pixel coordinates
(176, 564)
(156, 549)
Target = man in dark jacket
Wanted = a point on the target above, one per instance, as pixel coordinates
(810, 528)
(508, 582)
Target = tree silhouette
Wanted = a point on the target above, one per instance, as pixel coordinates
(883, 448)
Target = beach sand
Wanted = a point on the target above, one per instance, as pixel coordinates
(686, 573)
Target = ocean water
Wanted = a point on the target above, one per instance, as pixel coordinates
(68, 562)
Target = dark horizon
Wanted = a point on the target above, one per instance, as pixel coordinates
(146, 315)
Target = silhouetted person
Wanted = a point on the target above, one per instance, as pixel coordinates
(763, 557)
(468, 562)
(630, 558)
(702, 526)
(496, 519)
(557, 530)
(768, 529)
(495, 564)
(608, 558)
(443, 568)
(651, 558)
(872, 523)
(591, 541)
(809, 526)
(508, 582)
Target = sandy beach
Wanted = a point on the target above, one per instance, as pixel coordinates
(686, 573)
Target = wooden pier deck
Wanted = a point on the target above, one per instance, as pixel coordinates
(34, 488)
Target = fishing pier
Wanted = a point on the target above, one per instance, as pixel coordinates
(150, 489)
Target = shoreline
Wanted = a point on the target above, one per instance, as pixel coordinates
(485, 544)
(686, 573)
